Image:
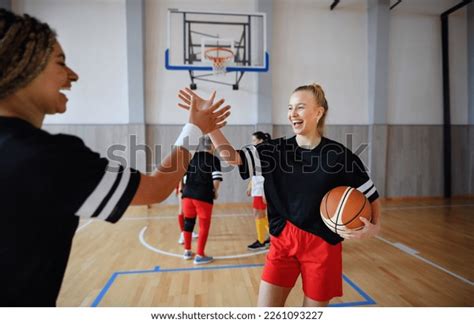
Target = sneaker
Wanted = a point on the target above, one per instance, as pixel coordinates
(256, 246)
(201, 260)
(195, 235)
(267, 243)
(188, 255)
(181, 238)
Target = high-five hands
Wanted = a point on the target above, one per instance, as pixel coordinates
(190, 99)
(203, 113)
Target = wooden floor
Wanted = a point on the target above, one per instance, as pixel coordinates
(424, 256)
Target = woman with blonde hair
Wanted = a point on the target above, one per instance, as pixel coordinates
(298, 172)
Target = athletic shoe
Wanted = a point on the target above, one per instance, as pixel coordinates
(188, 255)
(267, 243)
(195, 235)
(256, 246)
(201, 260)
(181, 238)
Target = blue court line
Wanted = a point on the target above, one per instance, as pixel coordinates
(367, 299)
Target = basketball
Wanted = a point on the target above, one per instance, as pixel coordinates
(342, 207)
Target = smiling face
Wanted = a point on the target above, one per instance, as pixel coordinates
(45, 92)
(304, 113)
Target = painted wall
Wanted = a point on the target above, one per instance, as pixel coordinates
(415, 70)
(93, 35)
(312, 43)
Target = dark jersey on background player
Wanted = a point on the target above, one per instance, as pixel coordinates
(200, 190)
(203, 170)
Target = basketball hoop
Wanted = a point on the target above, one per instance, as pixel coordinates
(220, 57)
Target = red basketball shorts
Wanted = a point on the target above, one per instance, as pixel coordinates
(258, 203)
(296, 252)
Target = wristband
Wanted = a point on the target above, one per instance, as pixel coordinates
(189, 138)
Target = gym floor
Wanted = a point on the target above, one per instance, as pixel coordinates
(137, 262)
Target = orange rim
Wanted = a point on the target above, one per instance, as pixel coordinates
(218, 59)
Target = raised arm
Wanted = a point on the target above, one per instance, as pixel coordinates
(222, 145)
(225, 149)
(157, 187)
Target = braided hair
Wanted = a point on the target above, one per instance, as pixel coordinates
(25, 47)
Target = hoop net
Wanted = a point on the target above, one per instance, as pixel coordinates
(220, 57)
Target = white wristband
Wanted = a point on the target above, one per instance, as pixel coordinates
(189, 138)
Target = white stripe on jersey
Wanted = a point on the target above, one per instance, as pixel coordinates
(364, 187)
(249, 160)
(369, 193)
(98, 195)
(117, 195)
(216, 175)
(256, 158)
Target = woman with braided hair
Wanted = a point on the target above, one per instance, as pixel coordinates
(49, 181)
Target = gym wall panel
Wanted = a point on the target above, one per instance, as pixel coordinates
(470, 172)
(122, 143)
(414, 161)
(460, 160)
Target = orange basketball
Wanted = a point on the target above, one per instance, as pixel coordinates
(342, 207)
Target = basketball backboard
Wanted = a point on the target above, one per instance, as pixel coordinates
(194, 35)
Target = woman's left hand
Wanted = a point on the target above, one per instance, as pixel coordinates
(368, 231)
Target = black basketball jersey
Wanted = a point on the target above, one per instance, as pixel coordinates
(203, 169)
(46, 183)
(296, 180)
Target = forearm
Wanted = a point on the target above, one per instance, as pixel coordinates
(216, 185)
(376, 217)
(158, 186)
(225, 149)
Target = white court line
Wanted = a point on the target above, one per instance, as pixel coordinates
(414, 253)
(167, 217)
(141, 237)
(83, 226)
(172, 217)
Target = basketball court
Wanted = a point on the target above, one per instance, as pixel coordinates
(383, 68)
(140, 263)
